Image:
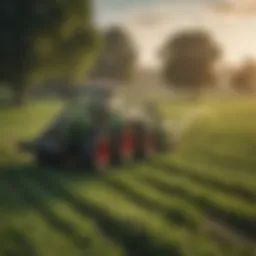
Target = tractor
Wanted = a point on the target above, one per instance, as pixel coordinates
(97, 130)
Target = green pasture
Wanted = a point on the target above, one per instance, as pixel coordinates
(199, 201)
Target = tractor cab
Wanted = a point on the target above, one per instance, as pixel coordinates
(107, 96)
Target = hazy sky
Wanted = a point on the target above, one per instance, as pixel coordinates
(232, 22)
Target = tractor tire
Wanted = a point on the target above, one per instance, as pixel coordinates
(123, 145)
(95, 153)
(42, 159)
(145, 141)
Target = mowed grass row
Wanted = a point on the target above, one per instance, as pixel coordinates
(241, 184)
(79, 231)
(140, 223)
(215, 203)
(72, 214)
(126, 223)
(24, 230)
(172, 227)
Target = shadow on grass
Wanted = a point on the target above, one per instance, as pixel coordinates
(15, 196)
(203, 178)
(22, 193)
(16, 243)
(175, 215)
(226, 160)
(13, 179)
(37, 188)
(243, 225)
(134, 239)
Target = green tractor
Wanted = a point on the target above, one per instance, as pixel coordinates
(97, 130)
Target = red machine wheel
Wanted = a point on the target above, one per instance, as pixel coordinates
(102, 155)
(127, 145)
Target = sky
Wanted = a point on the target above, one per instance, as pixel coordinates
(150, 22)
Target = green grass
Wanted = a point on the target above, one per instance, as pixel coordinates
(200, 201)
(18, 124)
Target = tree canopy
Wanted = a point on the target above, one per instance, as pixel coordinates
(244, 78)
(188, 59)
(44, 38)
(118, 57)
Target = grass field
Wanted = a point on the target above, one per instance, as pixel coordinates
(200, 201)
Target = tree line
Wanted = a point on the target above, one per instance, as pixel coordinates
(46, 39)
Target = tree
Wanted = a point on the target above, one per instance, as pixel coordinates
(118, 56)
(243, 79)
(188, 60)
(42, 39)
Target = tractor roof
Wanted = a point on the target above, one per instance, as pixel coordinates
(101, 92)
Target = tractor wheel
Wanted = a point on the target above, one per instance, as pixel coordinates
(43, 159)
(96, 153)
(123, 146)
(127, 145)
(40, 160)
(145, 142)
(101, 158)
